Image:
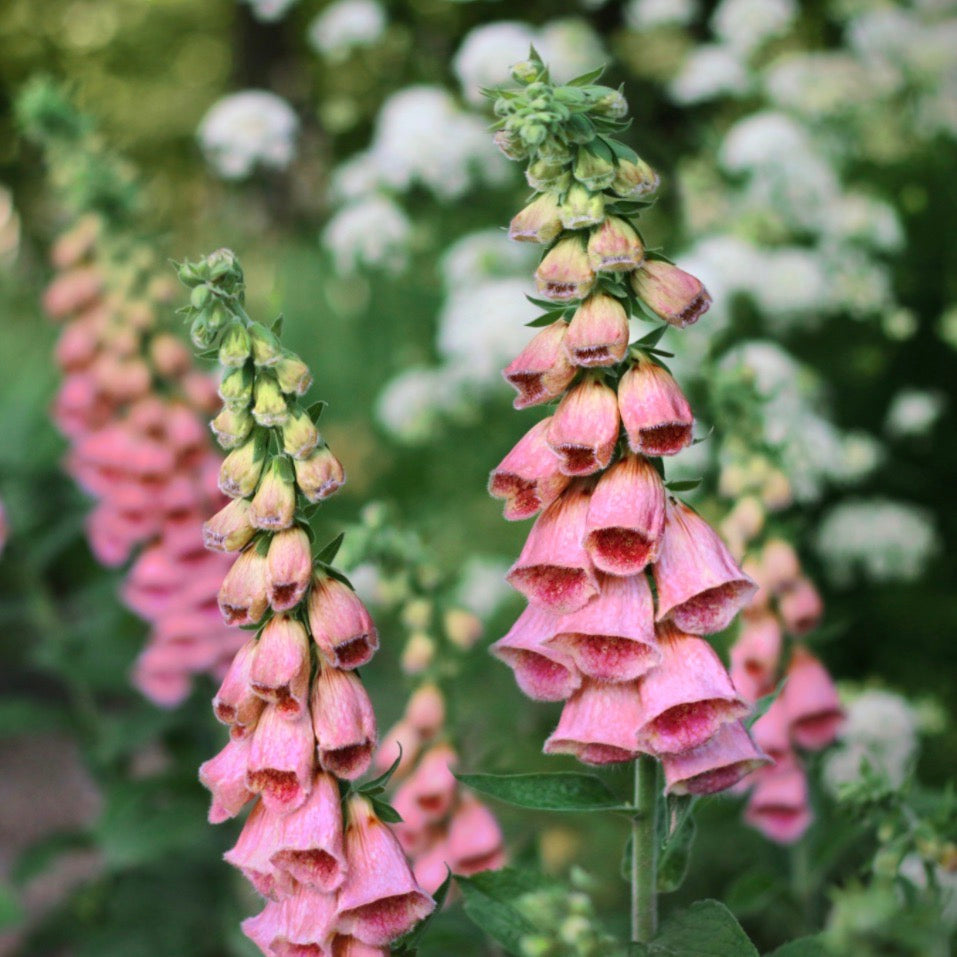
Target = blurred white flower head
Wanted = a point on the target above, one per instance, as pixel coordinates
(343, 26)
(569, 47)
(410, 406)
(881, 730)
(711, 70)
(647, 14)
(883, 539)
(482, 586)
(372, 231)
(914, 412)
(485, 254)
(243, 130)
(762, 139)
(745, 24)
(270, 10)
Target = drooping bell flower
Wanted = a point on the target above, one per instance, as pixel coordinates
(800, 607)
(583, 431)
(302, 925)
(780, 565)
(340, 624)
(319, 475)
(614, 246)
(288, 568)
(236, 704)
(633, 180)
(670, 293)
(541, 371)
(612, 638)
(626, 517)
(778, 805)
(242, 597)
(687, 697)
(281, 665)
(598, 332)
(281, 761)
(344, 723)
(539, 222)
(772, 731)
(654, 410)
(565, 273)
(599, 724)
(811, 702)
(274, 504)
(544, 673)
(432, 786)
(224, 775)
(700, 586)
(553, 569)
(755, 655)
(308, 846)
(425, 710)
(529, 477)
(230, 529)
(718, 764)
(475, 840)
(251, 854)
(380, 899)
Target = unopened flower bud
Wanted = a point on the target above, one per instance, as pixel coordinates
(525, 72)
(565, 273)
(236, 346)
(417, 614)
(776, 492)
(612, 105)
(239, 473)
(555, 151)
(593, 171)
(299, 435)
(462, 628)
(223, 265)
(670, 293)
(510, 145)
(293, 374)
(270, 407)
(418, 653)
(202, 332)
(236, 388)
(615, 246)
(229, 529)
(231, 427)
(582, 208)
(539, 222)
(533, 133)
(548, 176)
(634, 180)
(266, 349)
(274, 503)
(288, 568)
(425, 711)
(319, 475)
(200, 296)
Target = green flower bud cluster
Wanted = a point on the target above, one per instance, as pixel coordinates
(566, 926)
(277, 462)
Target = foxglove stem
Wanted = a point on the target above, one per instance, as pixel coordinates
(644, 851)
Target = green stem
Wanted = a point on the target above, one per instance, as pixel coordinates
(644, 852)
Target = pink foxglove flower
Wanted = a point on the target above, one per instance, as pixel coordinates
(654, 411)
(344, 723)
(529, 478)
(539, 222)
(800, 607)
(341, 625)
(598, 333)
(541, 371)
(810, 699)
(281, 665)
(566, 272)
(554, 571)
(281, 760)
(700, 586)
(778, 805)
(626, 517)
(755, 655)
(670, 293)
(614, 246)
(718, 764)
(584, 429)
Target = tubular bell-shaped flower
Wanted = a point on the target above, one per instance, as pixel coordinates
(302, 727)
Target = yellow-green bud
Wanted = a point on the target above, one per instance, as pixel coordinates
(236, 388)
(417, 614)
(240, 471)
(293, 374)
(595, 172)
(547, 176)
(236, 346)
(266, 348)
(582, 208)
(270, 407)
(634, 180)
(525, 72)
(231, 427)
(299, 435)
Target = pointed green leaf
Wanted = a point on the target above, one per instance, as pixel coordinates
(705, 929)
(653, 338)
(329, 552)
(685, 485)
(675, 856)
(383, 779)
(407, 946)
(802, 947)
(385, 811)
(547, 791)
(587, 78)
(316, 409)
(763, 703)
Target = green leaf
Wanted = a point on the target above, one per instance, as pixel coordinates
(10, 910)
(329, 552)
(705, 929)
(316, 409)
(802, 947)
(277, 325)
(547, 319)
(685, 485)
(675, 856)
(587, 78)
(761, 706)
(407, 945)
(385, 811)
(20, 715)
(752, 893)
(383, 779)
(548, 791)
(545, 304)
(285, 469)
(489, 902)
(621, 151)
(653, 338)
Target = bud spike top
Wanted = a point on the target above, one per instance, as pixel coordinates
(301, 723)
(624, 657)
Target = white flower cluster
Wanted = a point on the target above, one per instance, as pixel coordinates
(647, 14)
(248, 129)
(372, 231)
(813, 450)
(269, 11)
(881, 730)
(570, 47)
(883, 539)
(914, 412)
(345, 26)
(480, 329)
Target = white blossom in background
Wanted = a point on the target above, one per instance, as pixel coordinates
(485, 254)
(710, 71)
(411, 404)
(372, 231)
(569, 46)
(912, 867)
(243, 130)
(816, 85)
(914, 412)
(744, 25)
(269, 11)
(346, 25)
(881, 730)
(648, 14)
(880, 538)
(482, 586)
(858, 218)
